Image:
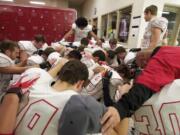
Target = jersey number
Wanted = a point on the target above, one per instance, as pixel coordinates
(36, 121)
(169, 118)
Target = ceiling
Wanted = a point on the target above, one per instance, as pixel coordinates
(71, 3)
(76, 2)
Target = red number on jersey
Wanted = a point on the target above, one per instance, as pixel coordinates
(169, 114)
(38, 119)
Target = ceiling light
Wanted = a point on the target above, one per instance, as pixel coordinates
(37, 2)
(167, 13)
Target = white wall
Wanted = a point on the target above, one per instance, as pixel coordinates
(173, 2)
(58, 3)
(77, 8)
(106, 6)
(103, 6)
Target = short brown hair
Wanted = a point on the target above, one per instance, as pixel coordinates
(120, 50)
(39, 38)
(8, 45)
(74, 71)
(152, 9)
(113, 41)
(123, 70)
(48, 51)
(85, 41)
(100, 54)
(74, 54)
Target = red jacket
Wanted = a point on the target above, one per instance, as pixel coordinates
(163, 68)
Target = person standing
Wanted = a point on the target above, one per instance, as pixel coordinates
(81, 29)
(156, 29)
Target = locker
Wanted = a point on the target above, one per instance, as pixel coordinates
(23, 22)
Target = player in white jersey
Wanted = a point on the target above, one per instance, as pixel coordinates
(160, 70)
(34, 46)
(81, 29)
(160, 114)
(45, 102)
(42, 113)
(94, 88)
(10, 103)
(156, 29)
(9, 51)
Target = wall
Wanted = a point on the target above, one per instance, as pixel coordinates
(103, 6)
(77, 8)
(51, 3)
(173, 2)
(106, 6)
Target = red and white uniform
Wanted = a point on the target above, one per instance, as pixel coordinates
(94, 88)
(40, 111)
(160, 115)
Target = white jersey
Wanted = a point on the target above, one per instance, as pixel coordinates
(79, 34)
(94, 88)
(5, 79)
(29, 48)
(160, 115)
(160, 23)
(34, 60)
(40, 115)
